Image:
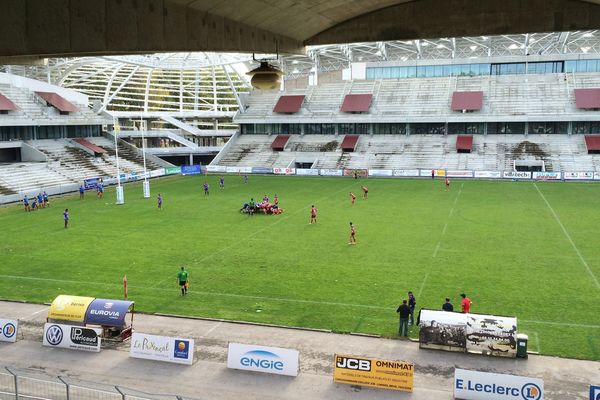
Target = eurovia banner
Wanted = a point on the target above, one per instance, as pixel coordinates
(384, 374)
(69, 308)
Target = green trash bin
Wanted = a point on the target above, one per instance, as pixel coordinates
(522, 345)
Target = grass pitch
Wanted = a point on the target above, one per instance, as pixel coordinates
(515, 248)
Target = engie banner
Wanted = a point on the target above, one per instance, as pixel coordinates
(516, 175)
(72, 337)
(8, 330)
(284, 171)
(162, 348)
(384, 374)
(191, 170)
(546, 176)
(475, 385)
(272, 360)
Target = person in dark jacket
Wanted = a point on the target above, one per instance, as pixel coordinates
(412, 303)
(404, 311)
(447, 306)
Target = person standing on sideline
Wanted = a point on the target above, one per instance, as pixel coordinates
(222, 182)
(205, 186)
(433, 174)
(313, 215)
(352, 234)
(412, 303)
(404, 311)
(160, 200)
(245, 178)
(447, 306)
(465, 304)
(447, 184)
(66, 217)
(81, 192)
(182, 278)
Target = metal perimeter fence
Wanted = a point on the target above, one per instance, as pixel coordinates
(24, 384)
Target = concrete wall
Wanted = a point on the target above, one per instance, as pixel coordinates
(39, 86)
(29, 153)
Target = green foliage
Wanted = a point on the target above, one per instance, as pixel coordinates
(496, 241)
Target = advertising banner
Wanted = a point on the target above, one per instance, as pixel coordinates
(107, 312)
(475, 385)
(284, 171)
(442, 330)
(492, 335)
(132, 176)
(440, 173)
(372, 372)
(262, 170)
(69, 308)
(596, 175)
(363, 173)
(488, 174)
(238, 170)
(307, 171)
(157, 172)
(331, 172)
(547, 176)
(91, 183)
(594, 392)
(407, 172)
(162, 348)
(191, 170)
(516, 175)
(172, 170)
(459, 174)
(381, 172)
(216, 168)
(72, 337)
(578, 175)
(8, 330)
(272, 360)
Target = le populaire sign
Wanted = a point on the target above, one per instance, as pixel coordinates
(72, 337)
(8, 330)
(162, 348)
(475, 385)
(384, 374)
(272, 360)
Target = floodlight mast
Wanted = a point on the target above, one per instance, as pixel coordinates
(120, 197)
(146, 182)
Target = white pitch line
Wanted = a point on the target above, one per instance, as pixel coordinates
(437, 248)
(422, 285)
(35, 313)
(208, 332)
(444, 230)
(585, 264)
(560, 324)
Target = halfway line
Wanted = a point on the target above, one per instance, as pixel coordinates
(585, 264)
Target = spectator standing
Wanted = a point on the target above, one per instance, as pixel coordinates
(447, 306)
(404, 312)
(433, 174)
(465, 303)
(412, 303)
(182, 278)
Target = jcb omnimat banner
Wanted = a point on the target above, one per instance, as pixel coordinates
(372, 372)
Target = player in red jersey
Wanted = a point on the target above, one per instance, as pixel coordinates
(352, 239)
(352, 197)
(313, 215)
(447, 184)
(365, 191)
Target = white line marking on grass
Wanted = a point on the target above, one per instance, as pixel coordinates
(422, 285)
(585, 264)
(537, 342)
(561, 324)
(437, 247)
(208, 332)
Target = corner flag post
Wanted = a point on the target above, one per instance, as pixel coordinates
(125, 287)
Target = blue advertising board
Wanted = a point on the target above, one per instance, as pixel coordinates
(191, 170)
(594, 392)
(107, 312)
(90, 183)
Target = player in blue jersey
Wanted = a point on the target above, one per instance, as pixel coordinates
(46, 199)
(205, 186)
(66, 217)
(26, 203)
(100, 189)
(40, 200)
(81, 192)
(222, 182)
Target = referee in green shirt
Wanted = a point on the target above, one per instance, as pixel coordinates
(182, 278)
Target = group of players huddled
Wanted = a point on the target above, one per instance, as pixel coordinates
(265, 206)
(42, 200)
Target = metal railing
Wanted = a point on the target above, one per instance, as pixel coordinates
(25, 384)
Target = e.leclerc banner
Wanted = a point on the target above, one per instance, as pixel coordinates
(373, 372)
(475, 385)
(8, 330)
(162, 348)
(272, 360)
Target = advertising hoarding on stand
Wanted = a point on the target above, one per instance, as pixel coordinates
(373, 372)
(307, 171)
(72, 337)
(162, 348)
(8, 330)
(271, 360)
(516, 174)
(475, 385)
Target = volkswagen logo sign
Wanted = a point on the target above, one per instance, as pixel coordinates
(54, 335)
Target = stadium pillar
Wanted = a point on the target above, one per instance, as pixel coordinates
(120, 196)
(146, 182)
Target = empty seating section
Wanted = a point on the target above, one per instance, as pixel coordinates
(488, 153)
(467, 101)
(464, 143)
(280, 142)
(289, 104)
